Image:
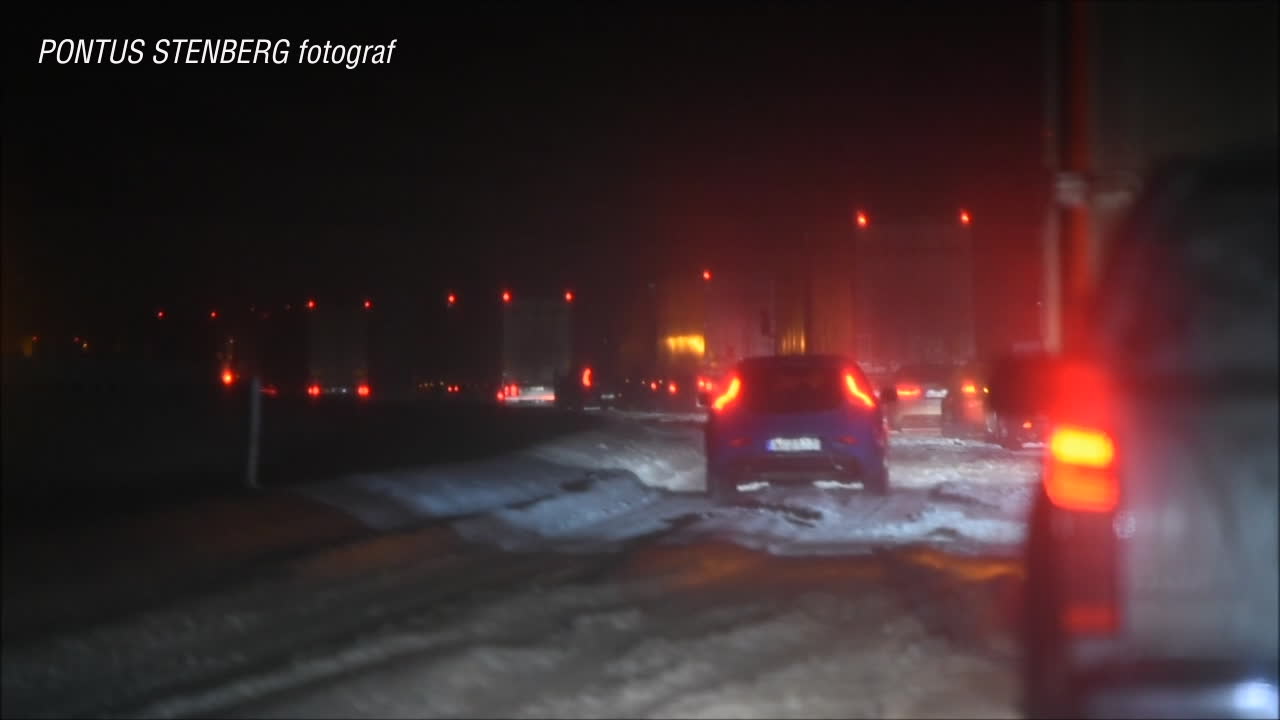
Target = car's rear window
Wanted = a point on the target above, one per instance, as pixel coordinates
(797, 388)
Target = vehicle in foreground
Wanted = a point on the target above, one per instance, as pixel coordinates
(795, 420)
(1152, 543)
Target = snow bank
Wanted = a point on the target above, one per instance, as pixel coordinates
(659, 457)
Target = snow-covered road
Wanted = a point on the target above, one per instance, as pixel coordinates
(591, 577)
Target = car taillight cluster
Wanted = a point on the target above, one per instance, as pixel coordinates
(313, 390)
(1080, 472)
(908, 391)
(856, 391)
(730, 394)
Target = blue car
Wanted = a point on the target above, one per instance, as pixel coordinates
(796, 420)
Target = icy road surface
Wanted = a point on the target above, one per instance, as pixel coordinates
(590, 578)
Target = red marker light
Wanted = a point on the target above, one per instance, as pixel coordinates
(362, 390)
(706, 274)
(568, 296)
(313, 390)
(452, 299)
(213, 314)
(671, 388)
(653, 385)
(368, 304)
(311, 304)
(228, 377)
(159, 314)
(908, 391)
(965, 219)
(862, 220)
(586, 377)
(506, 296)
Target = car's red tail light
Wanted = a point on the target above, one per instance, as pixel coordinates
(969, 389)
(362, 390)
(586, 377)
(731, 394)
(672, 388)
(313, 390)
(228, 377)
(851, 383)
(908, 391)
(1080, 472)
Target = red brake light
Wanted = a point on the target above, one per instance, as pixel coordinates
(311, 304)
(368, 304)
(506, 296)
(965, 218)
(313, 390)
(568, 296)
(452, 299)
(908, 391)
(228, 377)
(586, 377)
(671, 388)
(735, 387)
(969, 389)
(862, 219)
(362, 390)
(1080, 474)
(851, 383)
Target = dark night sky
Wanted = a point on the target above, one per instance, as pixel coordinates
(503, 148)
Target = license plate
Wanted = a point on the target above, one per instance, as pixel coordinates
(801, 444)
(935, 393)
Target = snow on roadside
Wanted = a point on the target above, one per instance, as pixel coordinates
(660, 457)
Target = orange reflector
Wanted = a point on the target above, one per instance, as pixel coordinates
(851, 382)
(735, 387)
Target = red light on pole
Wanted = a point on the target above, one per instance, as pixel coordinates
(965, 218)
(862, 220)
